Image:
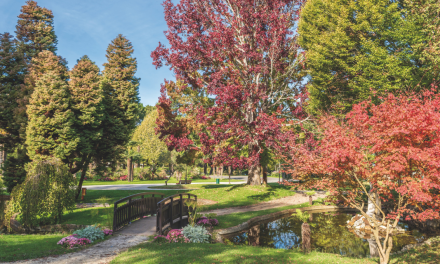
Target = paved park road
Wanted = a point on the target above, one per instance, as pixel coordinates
(147, 186)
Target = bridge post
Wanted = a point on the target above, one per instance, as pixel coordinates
(181, 210)
(171, 213)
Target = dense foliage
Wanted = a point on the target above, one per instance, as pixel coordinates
(357, 49)
(243, 54)
(394, 147)
(45, 194)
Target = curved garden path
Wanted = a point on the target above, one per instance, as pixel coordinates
(139, 231)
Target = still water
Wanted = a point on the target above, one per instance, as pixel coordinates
(329, 234)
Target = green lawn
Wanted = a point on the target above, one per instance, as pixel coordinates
(225, 195)
(235, 219)
(19, 247)
(173, 181)
(219, 253)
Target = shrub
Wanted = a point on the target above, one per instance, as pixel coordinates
(73, 240)
(49, 189)
(91, 232)
(196, 234)
(107, 232)
(176, 236)
(123, 178)
(106, 179)
(207, 222)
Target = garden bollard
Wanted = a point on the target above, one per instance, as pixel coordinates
(83, 193)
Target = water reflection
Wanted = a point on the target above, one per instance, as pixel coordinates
(329, 234)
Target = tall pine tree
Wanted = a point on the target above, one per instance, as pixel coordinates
(35, 33)
(86, 100)
(121, 99)
(50, 130)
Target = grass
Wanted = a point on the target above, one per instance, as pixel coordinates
(225, 195)
(177, 186)
(235, 219)
(172, 181)
(220, 253)
(240, 194)
(20, 247)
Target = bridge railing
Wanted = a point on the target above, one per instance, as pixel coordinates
(172, 212)
(136, 206)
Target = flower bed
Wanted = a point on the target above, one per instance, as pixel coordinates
(84, 237)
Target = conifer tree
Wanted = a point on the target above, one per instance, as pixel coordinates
(35, 30)
(86, 103)
(50, 130)
(121, 99)
(35, 33)
(12, 69)
(355, 49)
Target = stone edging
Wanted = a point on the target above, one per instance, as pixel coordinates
(248, 224)
(429, 242)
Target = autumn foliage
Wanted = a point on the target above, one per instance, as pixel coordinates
(244, 55)
(394, 147)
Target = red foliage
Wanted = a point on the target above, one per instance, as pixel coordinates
(123, 178)
(242, 54)
(395, 146)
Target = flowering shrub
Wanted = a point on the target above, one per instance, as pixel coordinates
(106, 179)
(91, 232)
(207, 222)
(176, 236)
(73, 240)
(196, 234)
(204, 177)
(123, 178)
(107, 232)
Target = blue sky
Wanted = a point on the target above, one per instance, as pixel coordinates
(86, 27)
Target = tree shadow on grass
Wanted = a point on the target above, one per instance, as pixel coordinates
(217, 253)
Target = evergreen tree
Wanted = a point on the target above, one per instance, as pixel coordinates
(35, 30)
(50, 130)
(35, 33)
(355, 49)
(86, 103)
(12, 68)
(121, 99)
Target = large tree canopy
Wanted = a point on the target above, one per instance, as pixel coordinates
(355, 49)
(243, 54)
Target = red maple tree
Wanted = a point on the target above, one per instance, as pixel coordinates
(244, 55)
(382, 159)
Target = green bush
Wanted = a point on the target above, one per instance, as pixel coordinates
(48, 190)
(92, 233)
(196, 234)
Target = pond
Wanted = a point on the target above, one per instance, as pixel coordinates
(329, 234)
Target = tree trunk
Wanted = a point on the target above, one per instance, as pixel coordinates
(254, 175)
(205, 169)
(306, 235)
(211, 169)
(129, 169)
(139, 161)
(254, 235)
(229, 172)
(265, 175)
(83, 175)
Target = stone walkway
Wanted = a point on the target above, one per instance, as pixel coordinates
(139, 231)
(104, 252)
